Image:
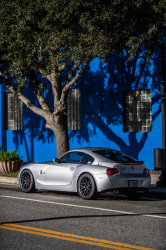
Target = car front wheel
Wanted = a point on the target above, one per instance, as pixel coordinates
(27, 184)
(87, 187)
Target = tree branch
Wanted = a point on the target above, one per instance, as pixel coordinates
(61, 105)
(70, 83)
(26, 101)
(48, 126)
(55, 80)
(43, 103)
(71, 73)
(37, 69)
(39, 96)
(64, 65)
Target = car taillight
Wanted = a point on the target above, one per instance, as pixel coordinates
(146, 171)
(112, 171)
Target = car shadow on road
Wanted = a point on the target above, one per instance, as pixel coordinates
(111, 196)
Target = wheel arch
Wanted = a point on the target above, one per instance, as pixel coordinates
(86, 173)
(26, 168)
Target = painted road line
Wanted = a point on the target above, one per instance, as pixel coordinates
(85, 207)
(71, 237)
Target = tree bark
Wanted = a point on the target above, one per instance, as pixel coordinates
(62, 140)
(58, 123)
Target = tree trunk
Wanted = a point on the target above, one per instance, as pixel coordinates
(62, 140)
(59, 126)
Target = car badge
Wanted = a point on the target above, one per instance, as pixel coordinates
(132, 168)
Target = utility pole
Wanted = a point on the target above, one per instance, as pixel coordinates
(162, 181)
(163, 96)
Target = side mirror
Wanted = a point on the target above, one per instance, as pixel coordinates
(55, 160)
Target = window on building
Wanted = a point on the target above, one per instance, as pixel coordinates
(13, 112)
(137, 111)
(74, 109)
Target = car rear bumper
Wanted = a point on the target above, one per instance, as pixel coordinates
(127, 190)
(119, 182)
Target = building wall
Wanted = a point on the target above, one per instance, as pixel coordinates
(101, 113)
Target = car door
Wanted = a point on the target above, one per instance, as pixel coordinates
(62, 172)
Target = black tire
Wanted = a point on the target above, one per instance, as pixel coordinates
(86, 187)
(27, 183)
(132, 196)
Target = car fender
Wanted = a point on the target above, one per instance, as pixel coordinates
(33, 168)
(94, 170)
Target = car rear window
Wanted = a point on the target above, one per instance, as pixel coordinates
(87, 159)
(114, 155)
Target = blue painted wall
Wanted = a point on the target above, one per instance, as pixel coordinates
(106, 128)
(102, 125)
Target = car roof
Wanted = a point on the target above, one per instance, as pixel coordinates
(90, 149)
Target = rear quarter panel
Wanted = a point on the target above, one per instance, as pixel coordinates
(97, 172)
(91, 169)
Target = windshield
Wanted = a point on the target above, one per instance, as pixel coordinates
(114, 155)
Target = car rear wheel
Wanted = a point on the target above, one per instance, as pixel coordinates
(27, 184)
(87, 187)
(132, 196)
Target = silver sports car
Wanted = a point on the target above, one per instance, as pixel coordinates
(88, 171)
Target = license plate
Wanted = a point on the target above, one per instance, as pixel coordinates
(133, 183)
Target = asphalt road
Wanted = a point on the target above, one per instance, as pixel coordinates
(51, 220)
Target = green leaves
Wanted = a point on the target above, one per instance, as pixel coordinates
(41, 34)
(11, 156)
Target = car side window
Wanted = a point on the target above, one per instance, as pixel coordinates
(72, 157)
(87, 159)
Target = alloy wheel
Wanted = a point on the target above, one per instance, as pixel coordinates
(25, 181)
(85, 186)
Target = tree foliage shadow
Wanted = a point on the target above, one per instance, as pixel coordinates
(111, 80)
(34, 125)
(83, 217)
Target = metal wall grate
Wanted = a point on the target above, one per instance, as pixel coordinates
(13, 112)
(74, 109)
(138, 111)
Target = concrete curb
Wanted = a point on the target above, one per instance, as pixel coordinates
(9, 180)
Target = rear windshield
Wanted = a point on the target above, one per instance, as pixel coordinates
(114, 155)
